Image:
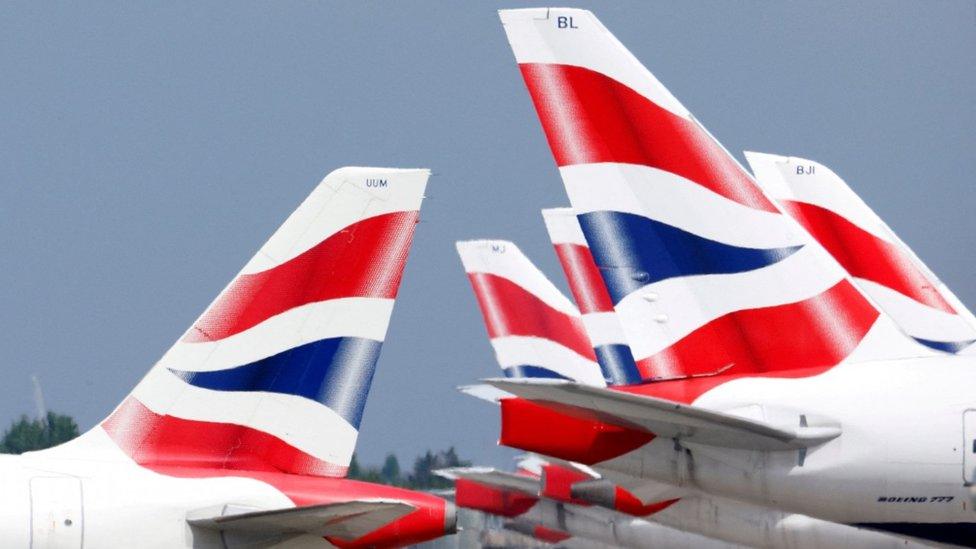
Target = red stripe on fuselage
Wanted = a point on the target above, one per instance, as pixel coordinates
(365, 259)
(584, 278)
(510, 310)
(589, 117)
(155, 440)
(793, 340)
(864, 255)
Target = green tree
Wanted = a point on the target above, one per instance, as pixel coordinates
(355, 472)
(390, 472)
(423, 466)
(26, 434)
(451, 459)
(423, 476)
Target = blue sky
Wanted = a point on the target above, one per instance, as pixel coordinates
(148, 149)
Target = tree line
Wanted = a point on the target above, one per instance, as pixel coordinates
(420, 477)
(26, 434)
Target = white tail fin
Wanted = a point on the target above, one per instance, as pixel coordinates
(881, 264)
(274, 374)
(535, 330)
(705, 272)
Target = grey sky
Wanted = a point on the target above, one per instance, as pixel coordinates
(148, 149)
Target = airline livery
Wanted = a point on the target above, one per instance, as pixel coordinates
(777, 365)
(678, 514)
(747, 360)
(877, 260)
(240, 436)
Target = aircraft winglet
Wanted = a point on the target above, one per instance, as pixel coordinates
(667, 418)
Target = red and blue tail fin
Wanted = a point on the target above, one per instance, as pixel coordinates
(274, 375)
(706, 274)
(603, 328)
(535, 330)
(879, 262)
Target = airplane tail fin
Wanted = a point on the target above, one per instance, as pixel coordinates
(704, 271)
(880, 263)
(273, 376)
(535, 330)
(596, 306)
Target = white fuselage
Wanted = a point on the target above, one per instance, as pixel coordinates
(87, 494)
(901, 457)
(763, 527)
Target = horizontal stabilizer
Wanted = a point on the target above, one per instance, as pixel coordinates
(484, 392)
(494, 478)
(347, 520)
(666, 418)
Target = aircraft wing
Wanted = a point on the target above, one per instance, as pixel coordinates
(667, 418)
(493, 477)
(346, 520)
